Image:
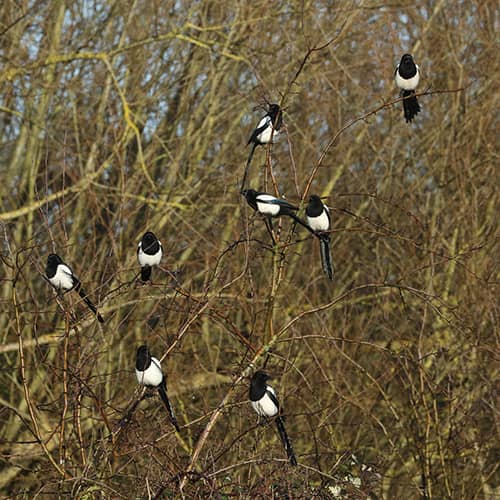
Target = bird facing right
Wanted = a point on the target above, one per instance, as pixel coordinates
(267, 128)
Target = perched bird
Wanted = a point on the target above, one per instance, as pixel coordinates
(267, 128)
(270, 206)
(148, 373)
(61, 277)
(407, 75)
(264, 402)
(318, 218)
(149, 254)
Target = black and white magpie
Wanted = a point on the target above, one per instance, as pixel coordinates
(62, 278)
(270, 206)
(318, 218)
(149, 253)
(267, 128)
(148, 372)
(265, 403)
(407, 76)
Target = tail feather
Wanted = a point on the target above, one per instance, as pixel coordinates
(326, 255)
(89, 303)
(146, 273)
(410, 105)
(162, 389)
(247, 166)
(297, 219)
(285, 440)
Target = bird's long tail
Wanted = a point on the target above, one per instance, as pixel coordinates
(326, 255)
(247, 166)
(146, 273)
(90, 305)
(410, 105)
(285, 440)
(162, 389)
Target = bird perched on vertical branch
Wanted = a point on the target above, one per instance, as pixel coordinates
(149, 253)
(267, 128)
(149, 373)
(62, 278)
(265, 403)
(318, 218)
(407, 76)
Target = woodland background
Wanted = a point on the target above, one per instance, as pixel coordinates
(123, 116)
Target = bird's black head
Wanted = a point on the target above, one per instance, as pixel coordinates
(407, 59)
(258, 385)
(314, 199)
(407, 67)
(143, 359)
(276, 115)
(150, 243)
(315, 206)
(149, 239)
(251, 197)
(273, 110)
(54, 260)
(260, 377)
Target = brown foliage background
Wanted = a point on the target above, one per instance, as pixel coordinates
(118, 117)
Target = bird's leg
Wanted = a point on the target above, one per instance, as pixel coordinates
(269, 226)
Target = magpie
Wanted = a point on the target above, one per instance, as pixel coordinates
(267, 128)
(149, 252)
(61, 277)
(270, 206)
(407, 75)
(148, 373)
(318, 218)
(264, 402)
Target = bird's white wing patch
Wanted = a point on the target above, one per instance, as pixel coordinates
(268, 208)
(264, 121)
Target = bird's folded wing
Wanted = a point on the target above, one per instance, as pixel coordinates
(272, 397)
(263, 124)
(272, 200)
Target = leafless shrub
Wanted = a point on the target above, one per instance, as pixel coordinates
(127, 116)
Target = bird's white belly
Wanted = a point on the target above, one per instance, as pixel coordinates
(149, 260)
(321, 223)
(265, 407)
(152, 376)
(265, 136)
(62, 280)
(409, 84)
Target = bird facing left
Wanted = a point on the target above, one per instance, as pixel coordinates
(62, 278)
